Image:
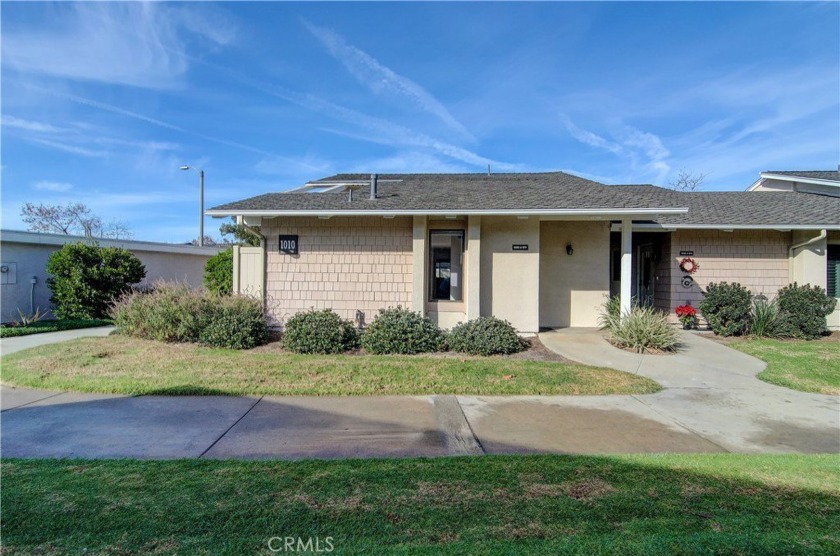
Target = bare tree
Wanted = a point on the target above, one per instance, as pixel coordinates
(208, 241)
(71, 219)
(687, 181)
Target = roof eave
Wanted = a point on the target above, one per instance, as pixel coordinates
(454, 212)
(796, 179)
(785, 227)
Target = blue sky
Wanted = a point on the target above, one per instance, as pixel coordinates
(102, 102)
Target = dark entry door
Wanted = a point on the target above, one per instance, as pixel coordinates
(645, 275)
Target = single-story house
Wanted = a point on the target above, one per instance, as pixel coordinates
(23, 275)
(542, 250)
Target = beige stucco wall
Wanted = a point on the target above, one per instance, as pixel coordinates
(757, 259)
(808, 263)
(510, 280)
(347, 264)
(31, 260)
(572, 288)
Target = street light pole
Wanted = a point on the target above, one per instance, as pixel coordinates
(201, 208)
(200, 203)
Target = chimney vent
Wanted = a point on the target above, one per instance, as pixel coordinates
(373, 180)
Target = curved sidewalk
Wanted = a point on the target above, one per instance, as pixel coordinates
(712, 402)
(18, 343)
(712, 390)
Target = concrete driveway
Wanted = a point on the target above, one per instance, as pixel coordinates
(712, 402)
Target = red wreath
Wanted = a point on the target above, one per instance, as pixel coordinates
(689, 265)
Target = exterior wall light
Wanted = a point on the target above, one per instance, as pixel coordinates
(569, 249)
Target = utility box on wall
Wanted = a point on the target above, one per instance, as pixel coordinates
(8, 273)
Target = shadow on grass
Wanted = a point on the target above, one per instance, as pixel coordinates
(545, 504)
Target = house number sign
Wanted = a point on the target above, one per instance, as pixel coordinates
(289, 245)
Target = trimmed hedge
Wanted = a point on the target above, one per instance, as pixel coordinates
(485, 336)
(726, 307)
(802, 310)
(234, 323)
(85, 279)
(218, 272)
(398, 330)
(319, 332)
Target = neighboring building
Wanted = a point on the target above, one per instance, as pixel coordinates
(819, 182)
(24, 255)
(541, 250)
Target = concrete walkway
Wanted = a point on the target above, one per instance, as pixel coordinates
(712, 402)
(711, 390)
(18, 343)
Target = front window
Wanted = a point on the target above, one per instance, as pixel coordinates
(833, 278)
(446, 250)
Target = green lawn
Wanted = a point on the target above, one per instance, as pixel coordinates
(809, 366)
(120, 364)
(50, 326)
(659, 504)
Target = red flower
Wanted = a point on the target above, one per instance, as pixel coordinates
(685, 311)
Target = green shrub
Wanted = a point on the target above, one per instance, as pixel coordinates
(85, 279)
(726, 307)
(399, 330)
(234, 322)
(610, 312)
(319, 332)
(168, 312)
(485, 336)
(803, 310)
(765, 320)
(644, 329)
(218, 272)
(173, 312)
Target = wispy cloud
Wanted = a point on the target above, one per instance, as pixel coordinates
(408, 162)
(153, 121)
(28, 125)
(382, 80)
(73, 149)
(54, 186)
(589, 138)
(643, 150)
(127, 43)
(382, 131)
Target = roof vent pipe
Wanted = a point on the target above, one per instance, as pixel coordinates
(373, 179)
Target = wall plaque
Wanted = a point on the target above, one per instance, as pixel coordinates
(520, 246)
(686, 253)
(289, 245)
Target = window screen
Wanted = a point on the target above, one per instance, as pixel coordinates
(833, 279)
(446, 251)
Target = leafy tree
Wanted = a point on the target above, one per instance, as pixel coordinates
(218, 272)
(71, 219)
(85, 279)
(241, 234)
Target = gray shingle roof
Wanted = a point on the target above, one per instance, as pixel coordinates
(833, 175)
(552, 191)
(533, 191)
(766, 208)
